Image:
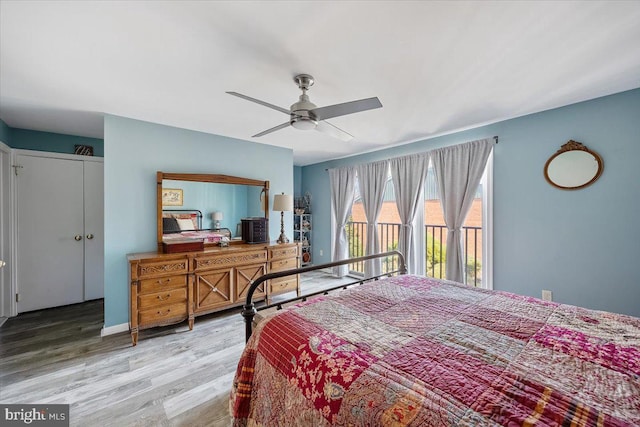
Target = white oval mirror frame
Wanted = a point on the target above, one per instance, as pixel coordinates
(572, 167)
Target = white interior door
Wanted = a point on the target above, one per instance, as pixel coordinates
(50, 219)
(93, 230)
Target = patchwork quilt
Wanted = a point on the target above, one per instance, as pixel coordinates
(417, 351)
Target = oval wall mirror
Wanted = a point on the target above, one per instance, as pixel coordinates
(573, 166)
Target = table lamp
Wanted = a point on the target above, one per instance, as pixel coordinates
(283, 203)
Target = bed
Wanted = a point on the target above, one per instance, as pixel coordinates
(411, 350)
(186, 224)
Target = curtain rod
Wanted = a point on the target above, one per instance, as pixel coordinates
(495, 138)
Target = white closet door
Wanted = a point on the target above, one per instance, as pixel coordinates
(6, 293)
(50, 216)
(93, 230)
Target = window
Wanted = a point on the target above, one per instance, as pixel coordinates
(476, 232)
(388, 228)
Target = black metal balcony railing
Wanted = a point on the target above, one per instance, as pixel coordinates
(435, 249)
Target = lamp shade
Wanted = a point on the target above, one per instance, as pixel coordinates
(217, 216)
(282, 202)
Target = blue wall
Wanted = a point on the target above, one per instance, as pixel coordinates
(297, 181)
(53, 142)
(134, 151)
(5, 133)
(583, 245)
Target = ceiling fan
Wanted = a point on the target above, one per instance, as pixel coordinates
(305, 115)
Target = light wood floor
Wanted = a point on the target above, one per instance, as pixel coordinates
(173, 377)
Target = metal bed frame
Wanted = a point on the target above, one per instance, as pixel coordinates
(249, 309)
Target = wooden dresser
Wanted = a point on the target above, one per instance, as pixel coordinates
(171, 288)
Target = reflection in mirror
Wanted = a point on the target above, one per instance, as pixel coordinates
(573, 166)
(186, 204)
(233, 201)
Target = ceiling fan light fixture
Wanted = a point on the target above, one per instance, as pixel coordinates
(303, 123)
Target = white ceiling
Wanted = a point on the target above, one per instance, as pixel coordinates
(437, 67)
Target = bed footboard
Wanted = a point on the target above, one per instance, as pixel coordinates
(249, 309)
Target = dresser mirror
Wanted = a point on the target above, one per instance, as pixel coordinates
(207, 206)
(573, 166)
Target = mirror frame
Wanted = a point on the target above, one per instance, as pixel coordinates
(572, 145)
(200, 177)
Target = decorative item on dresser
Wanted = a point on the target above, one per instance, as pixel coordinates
(255, 230)
(171, 288)
(283, 203)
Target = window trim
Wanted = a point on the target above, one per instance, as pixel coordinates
(487, 224)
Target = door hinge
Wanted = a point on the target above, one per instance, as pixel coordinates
(17, 297)
(16, 167)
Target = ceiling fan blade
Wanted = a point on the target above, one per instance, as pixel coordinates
(337, 110)
(333, 131)
(257, 101)
(273, 129)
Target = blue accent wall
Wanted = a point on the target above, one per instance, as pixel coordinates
(297, 181)
(53, 142)
(5, 133)
(583, 245)
(134, 152)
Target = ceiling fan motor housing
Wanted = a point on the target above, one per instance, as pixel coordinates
(301, 118)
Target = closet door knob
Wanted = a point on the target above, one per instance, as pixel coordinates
(78, 237)
(89, 236)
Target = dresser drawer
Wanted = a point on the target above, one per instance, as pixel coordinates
(283, 284)
(283, 264)
(229, 259)
(165, 313)
(170, 296)
(286, 252)
(163, 284)
(151, 269)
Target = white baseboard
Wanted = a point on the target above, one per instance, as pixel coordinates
(115, 329)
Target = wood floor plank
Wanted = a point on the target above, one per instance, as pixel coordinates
(182, 402)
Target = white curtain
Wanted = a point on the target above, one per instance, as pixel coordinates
(343, 184)
(458, 170)
(372, 178)
(409, 174)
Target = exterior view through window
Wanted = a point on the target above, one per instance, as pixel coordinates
(434, 235)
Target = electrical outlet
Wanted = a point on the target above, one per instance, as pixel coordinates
(547, 295)
(320, 252)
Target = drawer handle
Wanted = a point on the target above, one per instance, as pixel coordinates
(164, 314)
(165, 298)
(163, 282)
